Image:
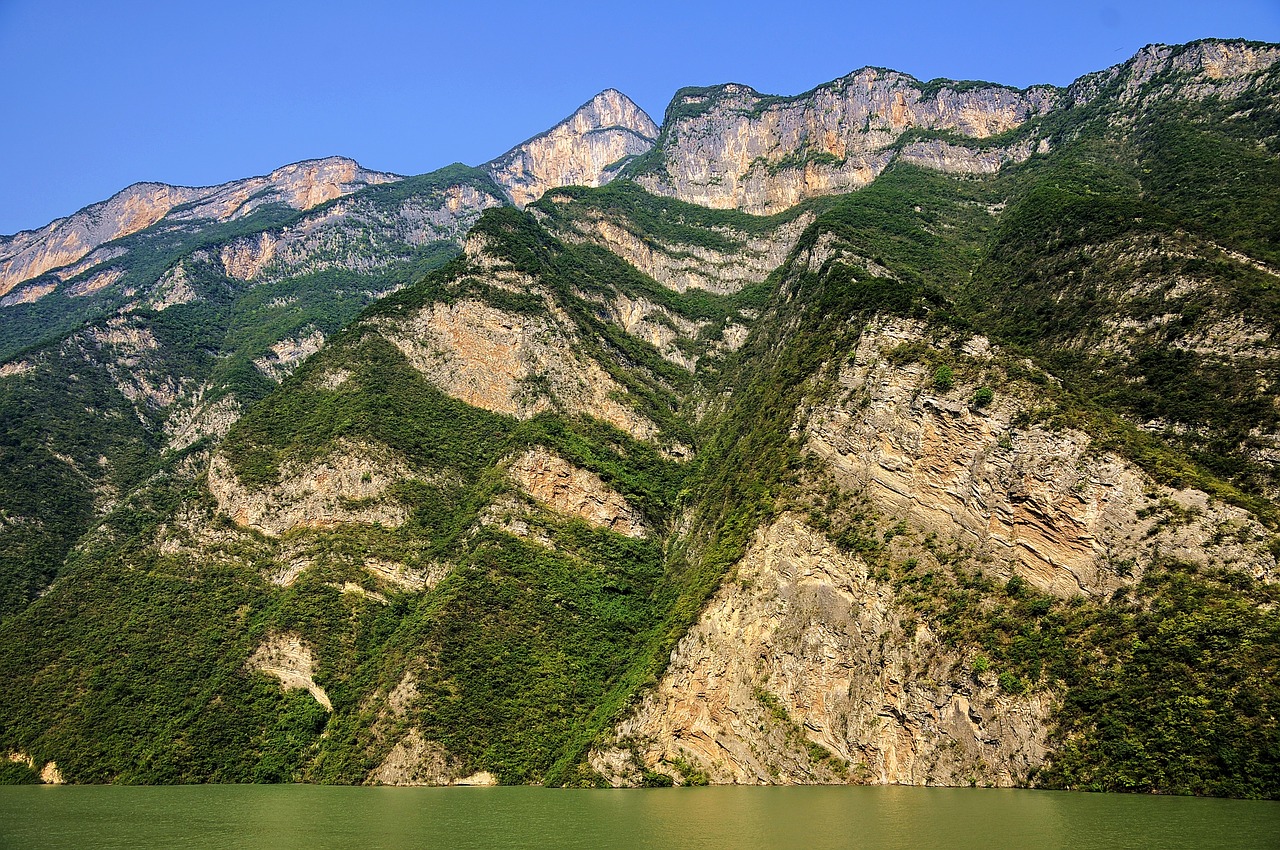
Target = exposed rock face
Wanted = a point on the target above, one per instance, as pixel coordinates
(31, 253)
(15, 367)
(102, 255)
(565, 488)
(65, 241)
(344, 235)
(244, 258)
(288, 353)
(346, 486)
(583, 150)
(49, 774)
(1199, 70)
(417, 761)
(681, 266)
(173, 288)
(289, 659)
(406, 578)
(798, 671)
(199, 418)
(654, 324)
(95, 282)
(511, 363)
(957, 159)
(1038, 501)
(27, 294)
(730, 147)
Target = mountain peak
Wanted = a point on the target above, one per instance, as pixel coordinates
(585, 149)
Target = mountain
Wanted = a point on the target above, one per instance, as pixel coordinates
(895, 432)
(166, 310)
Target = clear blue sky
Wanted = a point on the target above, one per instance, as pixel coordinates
(101, 94)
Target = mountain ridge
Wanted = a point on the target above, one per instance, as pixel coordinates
(964, 477)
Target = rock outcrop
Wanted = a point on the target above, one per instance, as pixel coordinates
(288, 658)
(417, 761)
(730, 147)
(66, 241)
(682, 266)
(799, 672)
(346, 486)
(586, 149)
(517, 364)
(1039, 502)
(567, 489)
(1199, 70)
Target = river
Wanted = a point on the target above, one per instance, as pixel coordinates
(283, 817)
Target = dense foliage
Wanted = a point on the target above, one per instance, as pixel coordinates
(1112, 262)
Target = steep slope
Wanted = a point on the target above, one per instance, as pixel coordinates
(586, 149)
(199, 328)
(62, 246)
(184, 306)
(731, 147)
(637, 491)
(488, 521)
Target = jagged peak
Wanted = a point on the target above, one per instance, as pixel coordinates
(608, 109)
(612, 108)
(584, 149)
(1214, 59)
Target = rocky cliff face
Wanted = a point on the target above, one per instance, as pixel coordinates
(62, 243)
(289, 659)
(1031, 500)
(800, 671)
(736, 259)
(518, 364)
(730, 147)
(347, 486)
(586, 149)
(470, 513)
(567, 489)
(1201, 70)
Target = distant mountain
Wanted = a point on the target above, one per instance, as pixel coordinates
(894, 432)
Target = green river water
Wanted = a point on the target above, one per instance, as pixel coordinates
(813, 818)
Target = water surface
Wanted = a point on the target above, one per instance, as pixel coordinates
(285, 817)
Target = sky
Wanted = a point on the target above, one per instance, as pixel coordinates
(103, 94)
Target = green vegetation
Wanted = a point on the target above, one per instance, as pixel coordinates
(1105, 271)
(1172, 687)
(68, 433)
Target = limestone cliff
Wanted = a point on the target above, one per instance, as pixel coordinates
(915, 546)
(746, 258)
(1034, 500)
(346, 486)
(288, 658)
(586, 149)
(1200, 70)
(730, 147)
(61, 244)
(799, 671)
(362, 233)
(567, 489)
